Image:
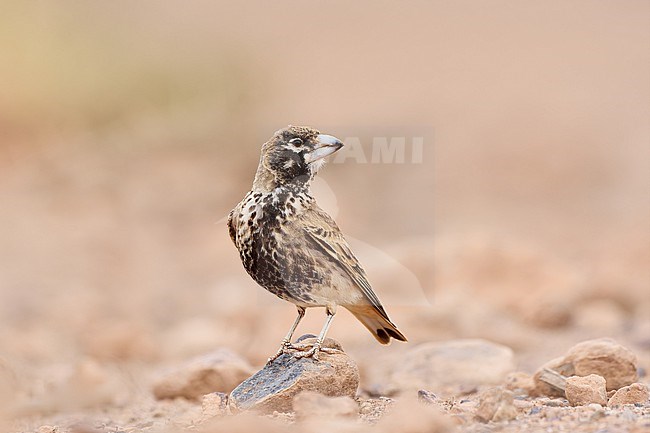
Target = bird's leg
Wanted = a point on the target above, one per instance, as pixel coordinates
(317, 347)
(286, 342)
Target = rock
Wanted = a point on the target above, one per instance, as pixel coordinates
(584, 390)
(219, 371)
(274, 387)
(465, 363)
(606, 358)
(214, 404)
(631, 394)
(603, 357)
(312, 404)
(496, 405)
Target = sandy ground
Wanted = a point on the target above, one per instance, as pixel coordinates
(127, 134)
(75, 355)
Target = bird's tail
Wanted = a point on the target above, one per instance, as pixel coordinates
(378, 325)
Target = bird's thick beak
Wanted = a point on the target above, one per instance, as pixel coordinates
(327, 145)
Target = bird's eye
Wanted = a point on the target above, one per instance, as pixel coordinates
(296, 141)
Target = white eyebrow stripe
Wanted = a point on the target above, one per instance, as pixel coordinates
(293, 148)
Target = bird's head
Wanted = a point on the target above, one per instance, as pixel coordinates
(293, 156)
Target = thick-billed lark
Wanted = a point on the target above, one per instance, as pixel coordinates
(295, 250)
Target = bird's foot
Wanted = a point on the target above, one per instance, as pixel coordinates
(285, 348)
(313, 351)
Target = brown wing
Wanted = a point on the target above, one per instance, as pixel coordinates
(326, 236)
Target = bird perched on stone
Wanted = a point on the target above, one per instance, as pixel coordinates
(293, 248)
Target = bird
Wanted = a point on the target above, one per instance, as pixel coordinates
(294, 249)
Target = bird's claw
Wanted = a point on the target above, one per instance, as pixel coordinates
(313, 352)
(299, 351)
(285, 348)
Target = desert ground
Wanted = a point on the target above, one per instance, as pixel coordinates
(128, 132)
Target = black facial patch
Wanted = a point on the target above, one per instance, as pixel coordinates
(287, 164)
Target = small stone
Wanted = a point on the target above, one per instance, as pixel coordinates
(496, 405)
(219, 371)
(47, 429)
(535, 410)
(606, 358)
(631, 394)
(274, 387)
(468, 363)
(214, 404)
(583, 390)
(312, 404)
(426, 397)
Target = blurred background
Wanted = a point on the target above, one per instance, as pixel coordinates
(129, 130)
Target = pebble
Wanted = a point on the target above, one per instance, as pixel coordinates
(636, 393)
(583, 390)
(427, 397)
